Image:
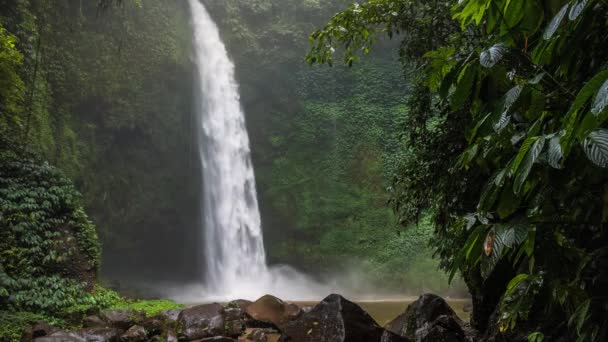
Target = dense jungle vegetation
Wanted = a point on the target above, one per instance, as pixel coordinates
(473, 131)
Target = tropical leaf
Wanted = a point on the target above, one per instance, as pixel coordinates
(463, 87)
(536, 79)
(527, 163)
(511, 97)
(508, 203)
(503, 236)
(515, 282)
(596, 147)
(554, 153)
(590, 88)
(577, 320)
(493, 55)
(601, 99)
(502, 122)
(555, 22)
(523, 151)
(577, 9)
(536, 337)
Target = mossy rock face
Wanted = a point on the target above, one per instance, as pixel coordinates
(49, 252)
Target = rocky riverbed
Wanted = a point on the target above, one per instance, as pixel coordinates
(268, 319)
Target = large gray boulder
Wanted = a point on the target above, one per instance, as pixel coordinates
(272, 310)
(429, 319)
(201, 321)
(122, 319)
(61, 336)
(135, 333)
(100, 334)
(336, 319)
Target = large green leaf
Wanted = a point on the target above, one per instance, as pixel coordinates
(493, 55)
(506, 237)
(589, 89)
(511, 97)
(601, 99)
(523, 151)
(577, 9)
(463, 87)
(554, 153)
(596, 147)
(508, 203)
(527, 163)
(554, 24)
(577, 320)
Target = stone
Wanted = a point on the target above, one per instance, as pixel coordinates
(122, 319)
(270, 309)
(38, 329)
(239, 303)
(201, 321)
(217, 339)
(61, 336)
(234, 328)
(93, 322)
(135, 333)
(100, 334)
(428, 319)
(260, 335)
(170, 315)
(157, 325)
(334, 319)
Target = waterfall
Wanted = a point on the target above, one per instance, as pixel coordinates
(233, 245)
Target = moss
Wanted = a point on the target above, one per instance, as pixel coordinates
(150, 307)
(12, 324)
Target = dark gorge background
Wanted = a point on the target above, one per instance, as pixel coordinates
(111, 105)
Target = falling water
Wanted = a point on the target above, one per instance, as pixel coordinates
(234, 248)
(233, 242)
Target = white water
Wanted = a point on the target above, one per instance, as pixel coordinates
(233, 243)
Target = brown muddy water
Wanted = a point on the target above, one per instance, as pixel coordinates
(384, 311)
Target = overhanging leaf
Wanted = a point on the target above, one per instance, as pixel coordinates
(511, 96)
(555, 22)
(596, 147)
(505, 236)
(493, 55)
(502, 122)
(554, 153)
(577, 9)
(601, 99)
(523, 150)
(527, 163)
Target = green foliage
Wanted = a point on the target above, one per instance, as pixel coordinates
(532, 110)
(49, 249)
(11, 84)
(12, 323)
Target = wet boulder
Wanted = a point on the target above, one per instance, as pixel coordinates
(170, 315)
(201, 321)
(260, 335)
(239, 303)
(270, 309)
(38, 329)
(334, 319)
(93, 322)
(61, 336)
(122, 319)
(135, 333)
(428, 319)
(100, 334)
